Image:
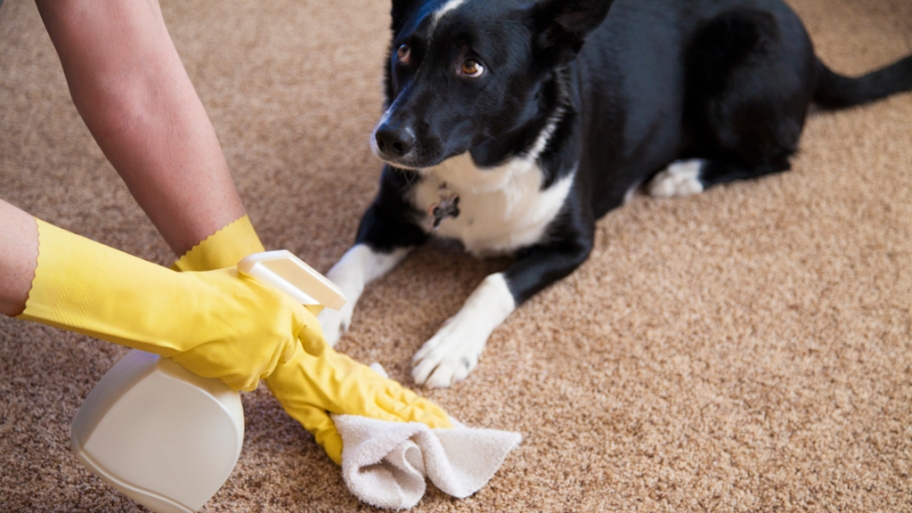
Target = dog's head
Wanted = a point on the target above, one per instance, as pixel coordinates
(463, 72)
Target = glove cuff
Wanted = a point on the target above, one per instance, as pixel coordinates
(83, 286)
(223, 249)
(61, 260)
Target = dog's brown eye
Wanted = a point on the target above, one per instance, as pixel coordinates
(403, 54)
(472, 68)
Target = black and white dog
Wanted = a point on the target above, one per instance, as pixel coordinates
(512, 126)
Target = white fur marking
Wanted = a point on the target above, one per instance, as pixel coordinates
(501, 209)
(680, 179)
(359, 266)
(450, 355)
(545, 136)
(448, 7)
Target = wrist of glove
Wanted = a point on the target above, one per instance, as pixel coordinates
(223, 249)
(218, 324)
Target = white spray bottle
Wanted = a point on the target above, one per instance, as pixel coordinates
(166, 437)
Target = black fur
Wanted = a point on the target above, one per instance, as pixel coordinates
(835, 91)
(633, 89)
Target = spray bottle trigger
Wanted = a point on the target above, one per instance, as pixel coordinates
(286, 272)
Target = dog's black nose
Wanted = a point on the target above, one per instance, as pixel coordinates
(394, 141)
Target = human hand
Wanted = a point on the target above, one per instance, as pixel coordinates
(218, 324)
(311, 388)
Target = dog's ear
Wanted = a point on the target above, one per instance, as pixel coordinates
(560, 27)
(400, 10)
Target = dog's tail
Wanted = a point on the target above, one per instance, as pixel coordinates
(835, 91)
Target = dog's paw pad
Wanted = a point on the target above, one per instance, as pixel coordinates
(678, 180)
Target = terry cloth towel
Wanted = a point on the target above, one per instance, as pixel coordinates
(385, 463)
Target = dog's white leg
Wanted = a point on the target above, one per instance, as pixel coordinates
(450, 355)
(680, 179)
(359, 266)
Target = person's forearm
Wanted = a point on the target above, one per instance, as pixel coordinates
(18, 258)
(130, 87)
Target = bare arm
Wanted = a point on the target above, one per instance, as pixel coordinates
(129, 85)
(18, 258)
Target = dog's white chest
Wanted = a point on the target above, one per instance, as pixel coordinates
(500, 209)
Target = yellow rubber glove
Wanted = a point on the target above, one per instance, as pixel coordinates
(223, 249)
(218, 324)
(310, 388)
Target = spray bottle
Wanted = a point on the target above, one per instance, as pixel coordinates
(165, 437)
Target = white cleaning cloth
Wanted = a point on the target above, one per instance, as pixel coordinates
(385, 463)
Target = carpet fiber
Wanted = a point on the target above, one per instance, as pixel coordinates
(749, 349)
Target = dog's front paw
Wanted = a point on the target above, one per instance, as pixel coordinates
(335, 323)
(450, 355)
(678, 180)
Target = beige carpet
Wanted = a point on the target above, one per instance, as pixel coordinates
(749, 349)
